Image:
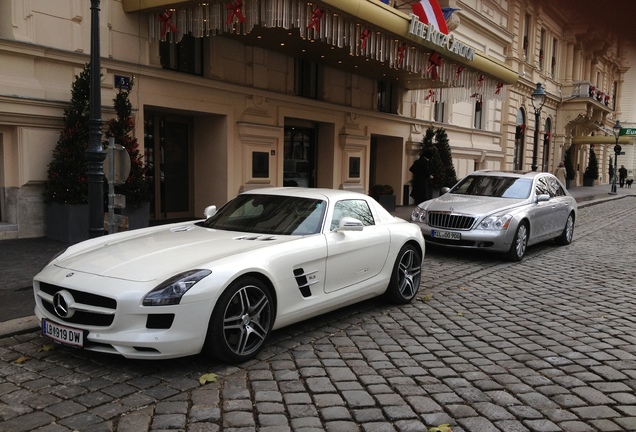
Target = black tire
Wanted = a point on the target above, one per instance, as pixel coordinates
(568, 232)
(241, 321)
(406, 276)
(519, 244)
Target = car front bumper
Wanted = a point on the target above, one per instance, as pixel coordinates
(492, 240)
(120, 324)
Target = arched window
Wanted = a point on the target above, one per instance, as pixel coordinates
(547, 137)
(520, 133)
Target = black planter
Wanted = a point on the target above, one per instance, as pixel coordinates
(387, 201)
(67, 223)
(568, 183)
(138, 217)
(588, 181)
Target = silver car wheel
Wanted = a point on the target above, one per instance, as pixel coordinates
(569, 229)
(406, 277)
(409, 273)
(241, 321)
(565, 238)
(247, 320)
(522, 241)
(519, 243)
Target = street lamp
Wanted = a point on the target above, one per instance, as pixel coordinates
(95, 154)
(617, 149)
(538, 100)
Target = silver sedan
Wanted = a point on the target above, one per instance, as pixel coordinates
(500, 211)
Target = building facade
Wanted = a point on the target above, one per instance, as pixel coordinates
(229, 96)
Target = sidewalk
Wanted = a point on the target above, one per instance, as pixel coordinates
(22, 259)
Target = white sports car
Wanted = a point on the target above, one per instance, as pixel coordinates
(268, 258)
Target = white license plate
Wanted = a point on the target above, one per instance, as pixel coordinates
(63, 334)
(448, 235)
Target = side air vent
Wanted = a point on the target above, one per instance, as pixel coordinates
(302, 279)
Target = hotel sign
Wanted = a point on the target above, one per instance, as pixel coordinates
(431, 34)
(628, 132)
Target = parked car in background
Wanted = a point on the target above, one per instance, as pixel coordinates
(500, 211)
(268, 258)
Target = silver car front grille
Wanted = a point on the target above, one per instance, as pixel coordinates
(87, 309)
(450, 221)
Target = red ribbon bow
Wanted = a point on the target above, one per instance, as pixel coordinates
(164, 19)
(436, 61)
(363, 38)
(458, 74)
(499, 87)
(234, 6)
(401, 53)
(316, 16)
(430, 95)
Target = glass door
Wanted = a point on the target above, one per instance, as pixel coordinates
(168, 151)
(298, 161)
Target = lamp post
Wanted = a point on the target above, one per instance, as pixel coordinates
(95, 154)
(617, 149)
(538, 100)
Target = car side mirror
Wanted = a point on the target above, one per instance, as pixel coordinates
(543, 198)
(349, 224)
(444, 190)
(209, 211)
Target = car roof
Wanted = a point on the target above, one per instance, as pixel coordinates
(304, 192)
(509, 173)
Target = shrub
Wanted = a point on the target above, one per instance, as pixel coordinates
(591, 172)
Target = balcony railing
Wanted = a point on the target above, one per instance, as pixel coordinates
(584, 89)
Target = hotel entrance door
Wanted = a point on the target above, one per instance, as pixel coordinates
(168, 152)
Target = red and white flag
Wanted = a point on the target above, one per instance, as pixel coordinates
(429, 12)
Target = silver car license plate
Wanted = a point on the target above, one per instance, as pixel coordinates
(447, 235)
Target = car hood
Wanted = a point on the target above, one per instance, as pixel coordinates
(152, 254)
(473, 205)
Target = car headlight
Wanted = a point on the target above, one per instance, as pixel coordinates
(170, 291)
(418, 215)
(496, 222)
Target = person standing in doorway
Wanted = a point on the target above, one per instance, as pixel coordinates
(622, 175)
(421, 170)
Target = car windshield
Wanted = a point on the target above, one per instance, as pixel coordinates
(501, 187)
(270, 214)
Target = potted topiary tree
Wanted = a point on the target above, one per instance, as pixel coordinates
(66, 189)
(437, 149)
(591, 172)
(136, 189)
(448, 176)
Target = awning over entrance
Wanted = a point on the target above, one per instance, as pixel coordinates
(601, 140)
(363, 36)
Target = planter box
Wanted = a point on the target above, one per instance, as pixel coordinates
(387, 201)
(67, 223)
(588, 181)
(137, 217)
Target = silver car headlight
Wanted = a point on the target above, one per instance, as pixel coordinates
(496, 222)
(170, 291)
(418, 215)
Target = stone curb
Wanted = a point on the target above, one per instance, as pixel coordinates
(19, 326)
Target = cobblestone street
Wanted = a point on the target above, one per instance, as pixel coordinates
(544, 345)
